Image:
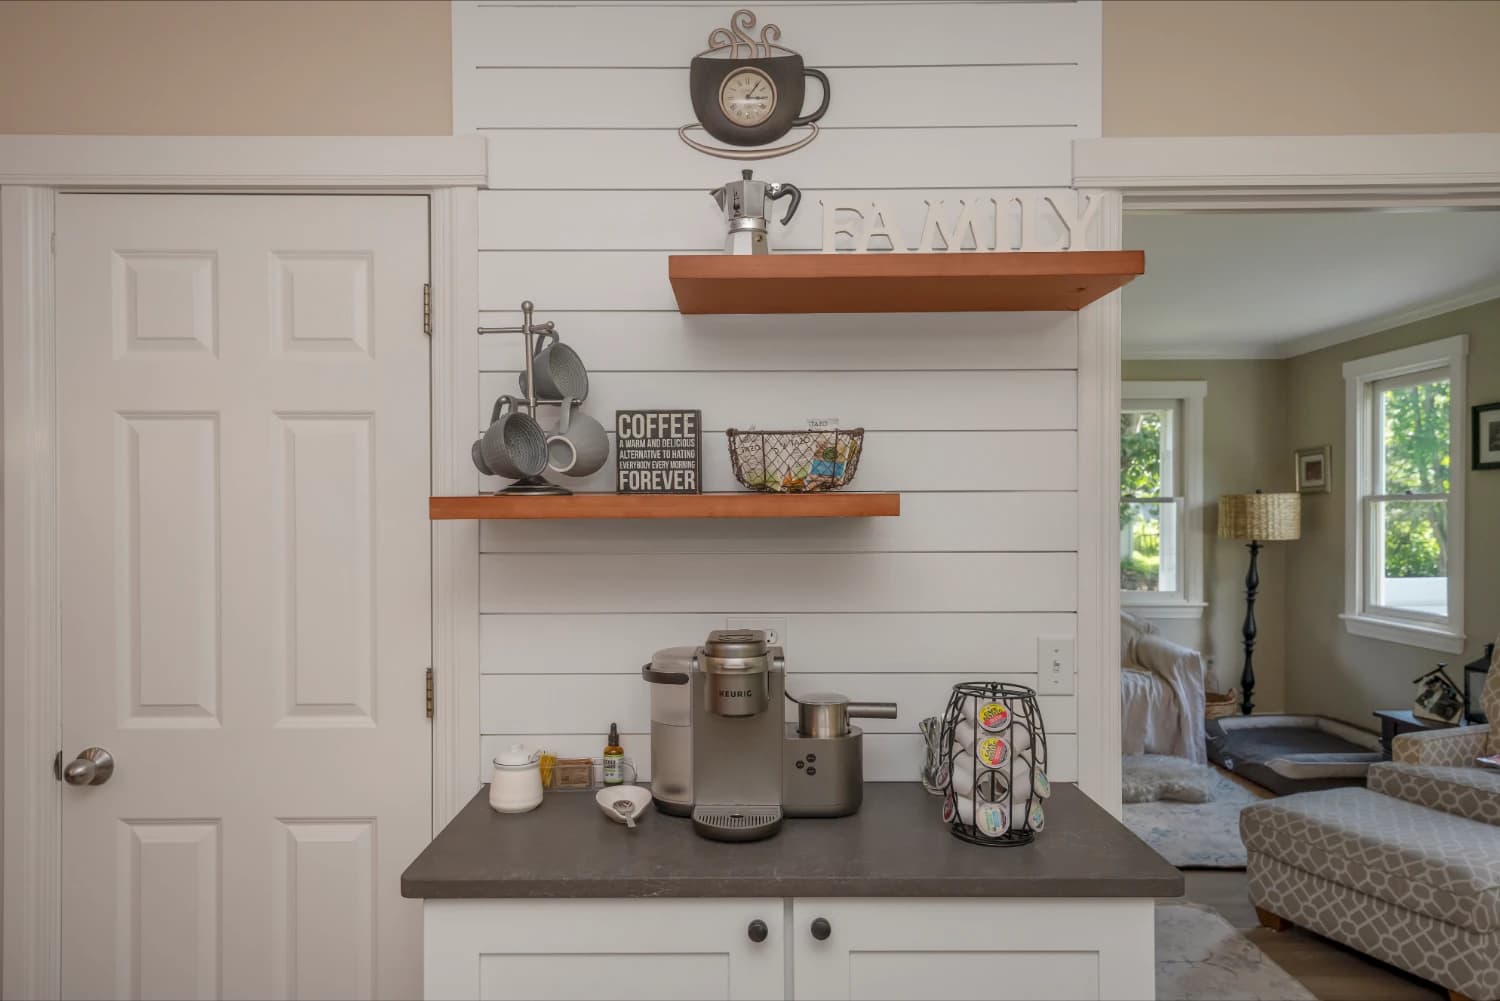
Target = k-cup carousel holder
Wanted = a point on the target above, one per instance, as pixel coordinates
(994, 764)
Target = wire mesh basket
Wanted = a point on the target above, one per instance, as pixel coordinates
(795, 462)
(994, 772)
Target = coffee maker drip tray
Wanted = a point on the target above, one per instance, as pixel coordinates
(736, 823)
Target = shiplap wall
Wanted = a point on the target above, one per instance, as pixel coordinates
(973, 417)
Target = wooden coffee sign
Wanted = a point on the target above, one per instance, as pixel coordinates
(659, 451)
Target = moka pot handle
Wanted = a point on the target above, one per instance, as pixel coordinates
(778, 190)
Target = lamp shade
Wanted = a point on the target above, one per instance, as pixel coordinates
(1260, 517)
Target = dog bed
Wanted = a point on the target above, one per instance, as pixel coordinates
(1289, 754)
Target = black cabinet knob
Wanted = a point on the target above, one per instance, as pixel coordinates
(821, 929)
(758, 930)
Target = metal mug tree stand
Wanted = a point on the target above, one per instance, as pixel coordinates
(539, 485)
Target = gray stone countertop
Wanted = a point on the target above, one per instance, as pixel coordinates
(895, 846)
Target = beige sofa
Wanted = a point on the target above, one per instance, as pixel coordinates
(1406, 870)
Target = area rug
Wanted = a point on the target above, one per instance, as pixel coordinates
(1198, 955)
(1150, 777)
(1195, 835)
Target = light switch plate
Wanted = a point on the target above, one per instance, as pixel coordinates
(774, 625)
(1055, 662)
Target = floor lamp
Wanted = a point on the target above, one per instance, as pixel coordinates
(1257, 518)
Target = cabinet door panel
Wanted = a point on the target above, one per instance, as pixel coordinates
(981, 949)
(641, 976)
(616, 949)
(1001, 975)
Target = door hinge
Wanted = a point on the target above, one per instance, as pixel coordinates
(429, 693)
(427, 314)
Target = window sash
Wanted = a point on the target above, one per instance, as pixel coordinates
(1373, 525)
(1373, 478)
(1173, 558)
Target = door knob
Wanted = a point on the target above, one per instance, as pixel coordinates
(92, 767)
(758, 930)
(821, 929)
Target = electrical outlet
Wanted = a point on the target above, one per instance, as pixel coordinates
(774, 626)
(1054, 665)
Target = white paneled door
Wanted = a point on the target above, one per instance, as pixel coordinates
(243, 387)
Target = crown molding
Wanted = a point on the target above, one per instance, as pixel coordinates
(1308, 343)
(1437, 307)
(1203, 352)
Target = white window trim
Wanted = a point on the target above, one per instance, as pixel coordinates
(1451, 353)
(1188, 603)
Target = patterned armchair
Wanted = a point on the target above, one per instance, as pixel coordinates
(1407, 870)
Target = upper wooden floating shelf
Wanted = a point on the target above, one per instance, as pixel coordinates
(899, 283)
(740, 505)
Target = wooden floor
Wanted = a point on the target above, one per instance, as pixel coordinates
(1328, 970)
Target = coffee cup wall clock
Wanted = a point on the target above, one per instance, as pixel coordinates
(748, 92)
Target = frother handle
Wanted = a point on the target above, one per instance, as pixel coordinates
(795, 192)
(872, 710)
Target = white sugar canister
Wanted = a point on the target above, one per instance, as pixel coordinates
(516, 786)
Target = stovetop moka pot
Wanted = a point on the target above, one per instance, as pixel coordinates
(745, 205)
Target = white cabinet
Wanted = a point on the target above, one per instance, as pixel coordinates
(976, 949)
(564, 949)
(972, 948)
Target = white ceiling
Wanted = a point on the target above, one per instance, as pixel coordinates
(1276, 284)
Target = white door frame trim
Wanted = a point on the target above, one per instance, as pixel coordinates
(33, 169)
(1218, 173)
(1264, 173)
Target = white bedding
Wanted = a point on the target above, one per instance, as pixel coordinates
(1161, 700)
(1149, 722)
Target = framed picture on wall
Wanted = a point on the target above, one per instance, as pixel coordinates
(1487, 436)
(1315, 470)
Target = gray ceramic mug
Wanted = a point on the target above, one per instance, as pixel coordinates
(580, 446)
(557, 371)
(515, 446)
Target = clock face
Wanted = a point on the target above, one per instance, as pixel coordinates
(747, 97)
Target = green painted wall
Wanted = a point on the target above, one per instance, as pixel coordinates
(1256, 414)
(1330, 671)
(1244, 449)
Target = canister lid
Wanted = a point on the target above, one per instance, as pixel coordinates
(516, 756)
(737, 643)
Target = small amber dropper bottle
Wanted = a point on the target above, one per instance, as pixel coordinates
(614, 758)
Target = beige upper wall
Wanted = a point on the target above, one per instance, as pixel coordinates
(1231, 67)
(1300, 67)
(1244, 449)
(1330, 671)
(226, 68)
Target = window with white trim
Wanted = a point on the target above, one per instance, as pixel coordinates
(1407, 455)
(1161, 497)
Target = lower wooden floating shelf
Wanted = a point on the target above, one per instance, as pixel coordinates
(622, 506)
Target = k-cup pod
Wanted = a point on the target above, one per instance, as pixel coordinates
(1022, 817)
(1040, 784)
(949, 810)
(987, 714)
(992, 752)
(990, 819)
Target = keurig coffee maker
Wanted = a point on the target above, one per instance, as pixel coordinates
(739, 768)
